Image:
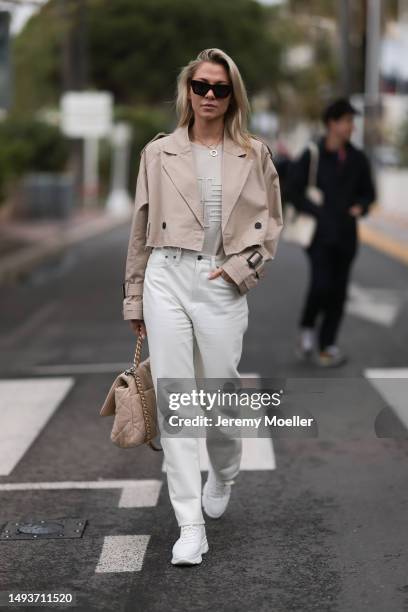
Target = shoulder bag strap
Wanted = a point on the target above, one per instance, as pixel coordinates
(314, 163)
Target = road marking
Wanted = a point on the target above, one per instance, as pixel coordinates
(93, 368)
(392, 385)
(378, 240)
(135, 493)
(123, 553)
(380, 306)
(249, 375)
(142, 494)
(80, 368)
(386, 373)
(257, 454)
(26, 405)
(29, 326)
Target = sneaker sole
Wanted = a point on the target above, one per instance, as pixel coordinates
(194, 560)
(335, 364)
(303, 355)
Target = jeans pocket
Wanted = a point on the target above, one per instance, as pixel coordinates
(226, 285)
(158, 259)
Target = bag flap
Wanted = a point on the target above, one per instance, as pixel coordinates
(122, 380)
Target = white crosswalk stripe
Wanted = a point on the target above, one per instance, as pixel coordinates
(134, 493)
(380, 306)
(122, 553)
(257, 453)
(26, 405)
(392, 385)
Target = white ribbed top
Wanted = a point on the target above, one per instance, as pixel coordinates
(209, 177)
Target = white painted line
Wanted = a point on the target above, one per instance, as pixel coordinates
(386, 373)
(135, 493)
(392, 385)
(122, 553)
(81, 368)
(26, 405)
(249, 375)
(29, 326)
(143, 494)
(257, 454)
(95, 368)
(380, 306)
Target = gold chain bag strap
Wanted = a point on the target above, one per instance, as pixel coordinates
(132, 402)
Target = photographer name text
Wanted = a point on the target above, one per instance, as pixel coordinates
(273, 421)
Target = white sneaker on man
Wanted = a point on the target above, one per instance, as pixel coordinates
(216, 495)
(331, 357)
(306, 344)
(191, 544)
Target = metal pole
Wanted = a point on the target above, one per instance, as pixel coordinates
(70, 81)
(345, 63)
(5, 68)
(372, 75)
(91, 175)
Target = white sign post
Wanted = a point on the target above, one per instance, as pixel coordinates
(119, 201)
(88, 115)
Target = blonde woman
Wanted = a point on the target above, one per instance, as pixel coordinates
(207, 217)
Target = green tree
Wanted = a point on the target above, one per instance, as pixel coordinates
(136, 48)
(27, 145)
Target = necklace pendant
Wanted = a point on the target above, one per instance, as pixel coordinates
(213, 152)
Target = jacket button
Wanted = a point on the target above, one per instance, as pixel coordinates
(258, 224)
(163, 224)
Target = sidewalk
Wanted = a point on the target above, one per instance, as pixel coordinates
(25, 244)
(387, 232)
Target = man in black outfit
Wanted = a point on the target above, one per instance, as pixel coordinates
(344, 177)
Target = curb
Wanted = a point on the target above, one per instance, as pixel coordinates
(384, 243)
(12, 267)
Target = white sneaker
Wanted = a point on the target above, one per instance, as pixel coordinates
(215, 496)
(331, 357)
(191, 544)
(306, 343)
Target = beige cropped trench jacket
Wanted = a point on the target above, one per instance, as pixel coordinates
(168, 212)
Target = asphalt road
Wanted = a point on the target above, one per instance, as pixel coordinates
(322, 526)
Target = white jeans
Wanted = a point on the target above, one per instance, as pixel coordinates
(195, 328)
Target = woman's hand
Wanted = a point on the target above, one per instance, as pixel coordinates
(221, 272)
(138, 327)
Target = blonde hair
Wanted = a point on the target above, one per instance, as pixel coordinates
(236, 116)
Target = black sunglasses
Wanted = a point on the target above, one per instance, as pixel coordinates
(220, 90)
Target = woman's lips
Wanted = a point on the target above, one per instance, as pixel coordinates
(209, 106)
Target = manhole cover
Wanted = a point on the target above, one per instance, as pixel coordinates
(41, 528)
(37, 529)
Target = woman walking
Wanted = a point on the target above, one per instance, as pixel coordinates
(207, 217)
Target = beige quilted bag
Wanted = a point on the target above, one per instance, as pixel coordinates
(132, 401)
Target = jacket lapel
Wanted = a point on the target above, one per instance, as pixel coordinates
(179, 165)
(235, 169)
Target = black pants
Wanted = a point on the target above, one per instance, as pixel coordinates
(329, 274)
